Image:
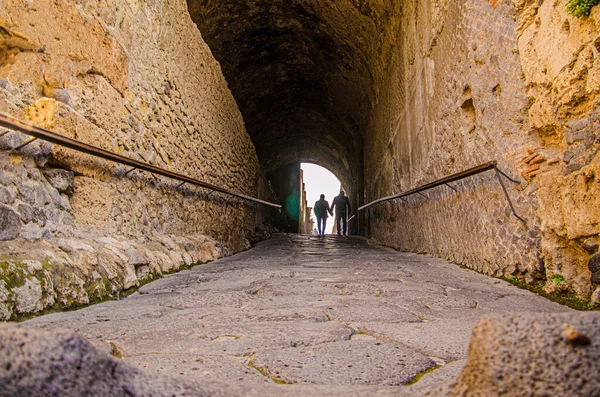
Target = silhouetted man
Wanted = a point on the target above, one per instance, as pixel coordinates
(342, 209)
(321, 209)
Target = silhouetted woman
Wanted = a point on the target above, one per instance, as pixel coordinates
(322, 209)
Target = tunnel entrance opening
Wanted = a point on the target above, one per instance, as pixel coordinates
(305, 76)
(319, 180)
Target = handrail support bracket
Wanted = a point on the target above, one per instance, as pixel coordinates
(498, 172)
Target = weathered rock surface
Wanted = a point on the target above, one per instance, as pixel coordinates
(380, 362)
(417, 90)
(512, 81)
(531, 355)
(132, 78)
(62, 363)
(61, 180)
(594, 266)
(68, 272)
(331, 315)
(10, 223)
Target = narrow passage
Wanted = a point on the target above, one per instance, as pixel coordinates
(309, 314)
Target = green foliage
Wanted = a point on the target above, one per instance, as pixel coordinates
(580, 8)
(513, 279)
(564, 298)
(557, 278)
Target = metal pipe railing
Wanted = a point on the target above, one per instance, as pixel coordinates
(492, 165)
(14, 124)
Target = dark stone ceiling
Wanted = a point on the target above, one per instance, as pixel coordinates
(302, 73)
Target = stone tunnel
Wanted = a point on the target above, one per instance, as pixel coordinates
(304, 77)
(388, 95)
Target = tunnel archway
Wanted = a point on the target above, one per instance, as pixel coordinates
(302, 73)
(319, 181)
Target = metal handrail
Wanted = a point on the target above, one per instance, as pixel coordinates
(492, 165)
(12, 123)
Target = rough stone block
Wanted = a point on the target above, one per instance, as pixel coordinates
(577, 125)
(6, 178)
(594, 266)
(61, 180)
(595, 301)
(26, 212)
(34, 193)
(581, 135)
(29, 296)
(7, 196)
(31, 232)
(590, 246)
(530, 355)
(135, 258)
(62, 363)
(10, 223)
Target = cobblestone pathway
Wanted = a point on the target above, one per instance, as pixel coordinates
(328, 315)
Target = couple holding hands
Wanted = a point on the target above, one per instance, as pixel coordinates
(341, 205)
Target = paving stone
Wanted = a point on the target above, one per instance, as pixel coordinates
(447, 372)
(41, 363)
(244, 316)
(367, 362)
(355, 310)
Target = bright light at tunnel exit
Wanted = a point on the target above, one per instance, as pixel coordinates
(317, 181)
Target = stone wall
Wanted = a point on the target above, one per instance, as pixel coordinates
(306, 223)
(136, 78)
(475, 81)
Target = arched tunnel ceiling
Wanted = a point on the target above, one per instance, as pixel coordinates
(301, 72)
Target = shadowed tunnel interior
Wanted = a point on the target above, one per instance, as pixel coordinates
(302, 75)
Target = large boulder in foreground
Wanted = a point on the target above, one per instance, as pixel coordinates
(538, 354)
(35, 362)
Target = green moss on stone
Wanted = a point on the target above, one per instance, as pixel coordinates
(581, 8)
(422, 374)
(557, 278)
(69, 304)
(569, 299)
(13, 273)
(266, 375)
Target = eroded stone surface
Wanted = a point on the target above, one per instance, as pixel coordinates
(68, 272)
(531, 354)
(61, 363)
(135, 79)
(283, 312)
(369, 362)
(418, 90)
(10, 223)
(474, 81)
